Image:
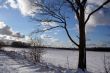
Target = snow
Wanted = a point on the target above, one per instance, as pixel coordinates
(81, 71)
(11, 63)
(59, 57)
(54, 60)
(4, 68)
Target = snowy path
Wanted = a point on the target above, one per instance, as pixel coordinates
(17, 64)
(9, 65)
(4, 64)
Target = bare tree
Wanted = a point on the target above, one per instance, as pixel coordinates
(106, 64)
(54, 11)
(36, 52)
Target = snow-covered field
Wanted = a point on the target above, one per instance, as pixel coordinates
(67, 58)
(95, 60)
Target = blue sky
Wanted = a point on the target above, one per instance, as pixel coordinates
(18, 19)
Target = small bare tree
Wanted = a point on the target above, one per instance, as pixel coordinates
(36, 50)
(106, 64)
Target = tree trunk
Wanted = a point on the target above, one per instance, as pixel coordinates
(82, 50)
(82, 41)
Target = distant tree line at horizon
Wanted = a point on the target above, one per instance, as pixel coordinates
(20, 44)
(15, 44)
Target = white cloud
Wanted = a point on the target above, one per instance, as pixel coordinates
(2, 24)
(49, 24)
(55, 33)
(48, 37)
(7, 33)
(23, 39)
(45, 36)
(98, 2)
(26, 7)
(9, 38)
(6, 30)
(50, 40)
(101, 17)
(12, 3)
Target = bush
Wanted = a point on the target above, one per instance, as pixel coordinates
(106, 64)
(36, 52)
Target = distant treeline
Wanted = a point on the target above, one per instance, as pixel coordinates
(2, 44)
(20, 44)
(105, 49)
(101, 49)
(15, 44)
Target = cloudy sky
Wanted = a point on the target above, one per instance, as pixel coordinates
(15, 23)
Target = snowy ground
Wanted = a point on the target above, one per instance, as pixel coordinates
(15, 64)
(95, 60)
(64, 58)
(9, 65)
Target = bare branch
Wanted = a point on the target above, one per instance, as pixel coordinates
(101, 6)
(73, 7)
(70, 37)
(47, 11)
(38, 31)
(47, 20)
(84, 2)
(67, 32)
(78, 2)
